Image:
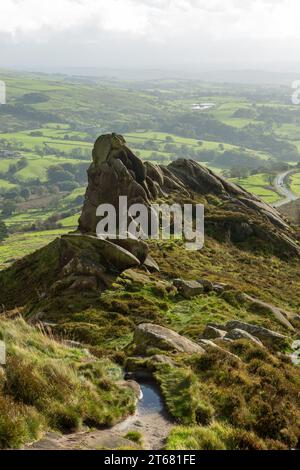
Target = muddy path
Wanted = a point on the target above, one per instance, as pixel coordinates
(151, 421)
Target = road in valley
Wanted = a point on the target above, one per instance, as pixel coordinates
(282, 188)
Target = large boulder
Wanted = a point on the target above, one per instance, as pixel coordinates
(268, 337)
(282, 316)
(149, 336)
(211, 332)
(238, 333)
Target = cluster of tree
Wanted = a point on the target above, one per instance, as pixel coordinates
(15, 167)
(205, 126)
(270, 168)
(77, 153)
(3, 231)
(67, 176)
(34, 98)
(11, 144)
(52, 223)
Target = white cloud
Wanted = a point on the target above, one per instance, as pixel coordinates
(160, 18)
(148, 31)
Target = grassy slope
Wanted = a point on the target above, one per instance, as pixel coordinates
(258, 185)
(46, 385)
(295, 183)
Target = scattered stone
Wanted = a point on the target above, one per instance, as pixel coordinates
(211, 332)
(2, 353)
(135, 277)
(220, 287)
(218, 326)
(188, 289)
(207, 285)
(295, 356)
(151, 264)
(208, 344)
(242, 334)
(268, 337)
(148, 335)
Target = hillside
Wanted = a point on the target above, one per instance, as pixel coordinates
(292, 211)
(214, 328)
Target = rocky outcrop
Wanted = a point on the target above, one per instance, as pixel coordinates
(72, 263)
(240, 216)
(86, 261)
(266, 336)
(149, 336)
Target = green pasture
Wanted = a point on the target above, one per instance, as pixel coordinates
(295, 183)
(260, 186)
(21, 244)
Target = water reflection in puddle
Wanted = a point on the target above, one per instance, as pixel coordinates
(152, 401)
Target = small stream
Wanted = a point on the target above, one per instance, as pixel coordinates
(151, 419)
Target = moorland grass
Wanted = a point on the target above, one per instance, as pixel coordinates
(46, 385)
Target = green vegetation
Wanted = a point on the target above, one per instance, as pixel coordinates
(3, 231)
(21, 244)
(135, 436)
(295, 183)
(46, 385)
(252, 404)
(247, 398)
(214, 437)
(260, 185)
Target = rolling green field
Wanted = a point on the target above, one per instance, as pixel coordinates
(295, 183)
(53, 120)
(22, 244)
(159, 138)
(258, 185)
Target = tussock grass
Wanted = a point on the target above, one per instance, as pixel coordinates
(46, 385)
(258, 396)
(217, 436)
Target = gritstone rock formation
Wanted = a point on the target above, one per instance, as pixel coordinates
(239, 216)
(82, 262)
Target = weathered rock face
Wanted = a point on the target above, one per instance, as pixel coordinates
(89, 262)
(83, 262)
(149, 336)
(115, 172)
(242, 217)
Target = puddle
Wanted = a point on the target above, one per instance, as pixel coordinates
(151, 402)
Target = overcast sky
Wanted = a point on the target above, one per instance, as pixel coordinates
(150, 33)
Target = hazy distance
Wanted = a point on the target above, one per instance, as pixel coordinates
(154, 38)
